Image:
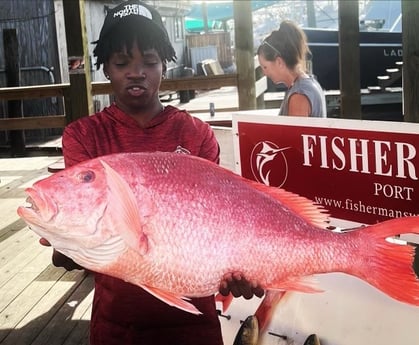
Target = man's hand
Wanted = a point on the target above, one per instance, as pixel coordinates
(60, 260)
(238, 285)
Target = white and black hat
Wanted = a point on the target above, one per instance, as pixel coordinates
(132, 9)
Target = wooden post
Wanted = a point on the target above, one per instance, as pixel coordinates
(260, 97)
(311, 14)
(205, 16)
(243, 36)
(15, 110)
(78, 102)
(349, 59)
(410, 25)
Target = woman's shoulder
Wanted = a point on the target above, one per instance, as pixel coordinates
(306, 80)
(306, 84)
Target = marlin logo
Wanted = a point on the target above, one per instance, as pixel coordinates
(180, 149)
(269, 164)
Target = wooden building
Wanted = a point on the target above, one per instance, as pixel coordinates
(32, 22)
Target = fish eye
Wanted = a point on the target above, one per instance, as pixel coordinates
(86, 176)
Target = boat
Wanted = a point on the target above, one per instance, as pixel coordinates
(380, 54)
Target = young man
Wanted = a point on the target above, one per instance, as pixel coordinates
(134, 48)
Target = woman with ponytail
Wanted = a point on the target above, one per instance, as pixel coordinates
(282, 56)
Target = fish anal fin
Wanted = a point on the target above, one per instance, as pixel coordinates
(172, 299)
(267, 307)
(124, 211)
(275, 296)
(306, 284)
(311, 212)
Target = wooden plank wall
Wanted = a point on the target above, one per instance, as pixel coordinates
(222, 40)
(34, 21)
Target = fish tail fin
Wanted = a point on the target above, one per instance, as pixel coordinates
(388, 264)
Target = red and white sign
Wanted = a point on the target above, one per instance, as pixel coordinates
(362, 171)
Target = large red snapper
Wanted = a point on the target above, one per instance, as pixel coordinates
(176, 224)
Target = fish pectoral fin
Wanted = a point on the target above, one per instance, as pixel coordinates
(307, 284)
(124, 211)
(172, 299)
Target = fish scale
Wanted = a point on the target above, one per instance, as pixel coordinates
(179, 223)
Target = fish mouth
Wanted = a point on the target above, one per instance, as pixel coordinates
(39, 210)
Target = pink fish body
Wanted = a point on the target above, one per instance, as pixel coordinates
(176, 224)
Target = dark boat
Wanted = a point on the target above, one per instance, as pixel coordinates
(379, 51)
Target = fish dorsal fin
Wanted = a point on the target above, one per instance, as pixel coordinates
(124, 211)
(305, 208)
(172, 299)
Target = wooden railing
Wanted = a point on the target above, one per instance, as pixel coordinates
(210, 82)
(97, 88)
